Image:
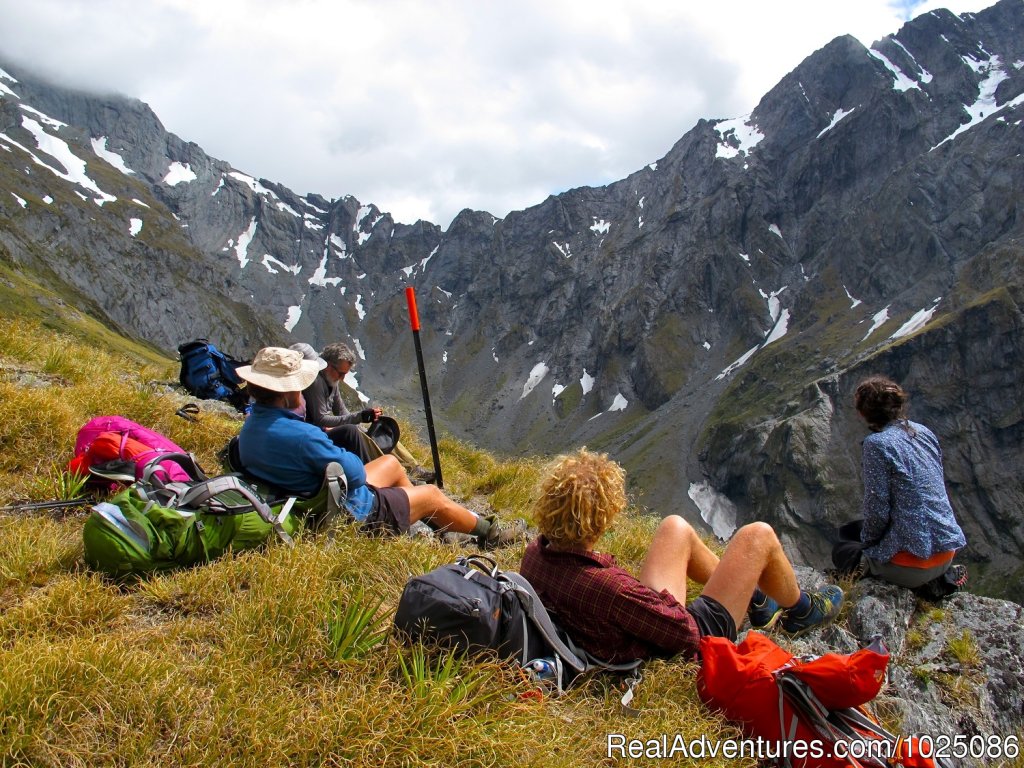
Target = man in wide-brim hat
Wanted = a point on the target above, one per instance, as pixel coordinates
(276, 445)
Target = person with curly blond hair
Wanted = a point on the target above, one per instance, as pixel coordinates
(618, 617)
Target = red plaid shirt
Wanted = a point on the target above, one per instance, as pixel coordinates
(605, 609)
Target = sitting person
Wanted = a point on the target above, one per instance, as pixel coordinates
(618, 617)
(275, 445)
(326, 409)
(347, 436)
(909, 533)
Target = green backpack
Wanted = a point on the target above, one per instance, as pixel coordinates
(155, 526)
(319, 511)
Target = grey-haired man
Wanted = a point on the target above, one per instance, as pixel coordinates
(326, 409)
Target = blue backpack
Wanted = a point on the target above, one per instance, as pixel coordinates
(208, 373)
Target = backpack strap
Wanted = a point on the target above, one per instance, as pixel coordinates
(186, 461)
(566, 651)
(539, 615)
(484, 563)
(207, 494)
(336, 486)
(818, 717)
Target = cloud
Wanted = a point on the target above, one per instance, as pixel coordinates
(428, 108)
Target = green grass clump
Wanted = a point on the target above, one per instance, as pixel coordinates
(355, 626)
(31, 548)
(964, 649)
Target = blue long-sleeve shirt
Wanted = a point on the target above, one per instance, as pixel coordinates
(906, 508)
(277, 445)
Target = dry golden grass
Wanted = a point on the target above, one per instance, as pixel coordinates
(230, 663)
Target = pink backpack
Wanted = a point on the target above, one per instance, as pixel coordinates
(124, 440)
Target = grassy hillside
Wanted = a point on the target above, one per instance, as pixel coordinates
(239, 662)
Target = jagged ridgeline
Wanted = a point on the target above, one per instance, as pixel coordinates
(704, 319)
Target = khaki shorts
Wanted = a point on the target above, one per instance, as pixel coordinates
(905, 576)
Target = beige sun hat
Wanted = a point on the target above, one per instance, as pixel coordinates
(309, 353)
(280, 370)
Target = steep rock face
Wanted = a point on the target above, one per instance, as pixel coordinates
(704, 319)
(252, 260)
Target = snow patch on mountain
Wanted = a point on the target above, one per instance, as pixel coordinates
(179, 173)
(320, 278)
(271, 261)
(99, 146)
(242, 248)
(878, 320)
(715, 509)
(587, 381)
(839, 115)
(901, 82)
(917, 321)
(985, 105)
(540, 370)
(737, 136)
(59, 150)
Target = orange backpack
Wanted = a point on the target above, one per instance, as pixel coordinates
(806, 713)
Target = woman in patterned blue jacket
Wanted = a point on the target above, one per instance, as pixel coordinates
(910, 534)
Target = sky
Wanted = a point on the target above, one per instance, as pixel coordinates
(426, 107)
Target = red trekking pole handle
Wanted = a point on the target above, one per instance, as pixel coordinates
(414, 321)
(414, 316)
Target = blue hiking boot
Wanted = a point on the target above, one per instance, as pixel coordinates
(824, 608)
(764, 615)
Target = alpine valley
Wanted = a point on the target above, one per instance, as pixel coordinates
(704, 320)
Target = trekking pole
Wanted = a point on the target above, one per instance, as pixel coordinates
(36, 505)
(414, 320)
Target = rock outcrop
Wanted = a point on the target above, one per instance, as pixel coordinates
(956, 668)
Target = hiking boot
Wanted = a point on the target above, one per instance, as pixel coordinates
(456, 539)
(825, 606)
(503, 534)
(420, 475)
(765, 615)
(946, 585)
(956, 577)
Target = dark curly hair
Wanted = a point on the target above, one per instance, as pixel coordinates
(880, 400)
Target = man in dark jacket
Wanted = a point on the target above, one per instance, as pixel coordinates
(326, 409)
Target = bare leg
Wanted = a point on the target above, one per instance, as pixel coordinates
(753, 557)
(386, 472)
(677, 553)
(428, 503)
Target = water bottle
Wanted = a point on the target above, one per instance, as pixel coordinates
(541, 669)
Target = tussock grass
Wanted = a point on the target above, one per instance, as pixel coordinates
(32, 548)
(235, 662)
(510, 484)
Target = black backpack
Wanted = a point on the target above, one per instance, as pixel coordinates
(471, 605)
(208, 373)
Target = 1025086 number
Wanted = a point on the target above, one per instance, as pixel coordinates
(978, 747)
